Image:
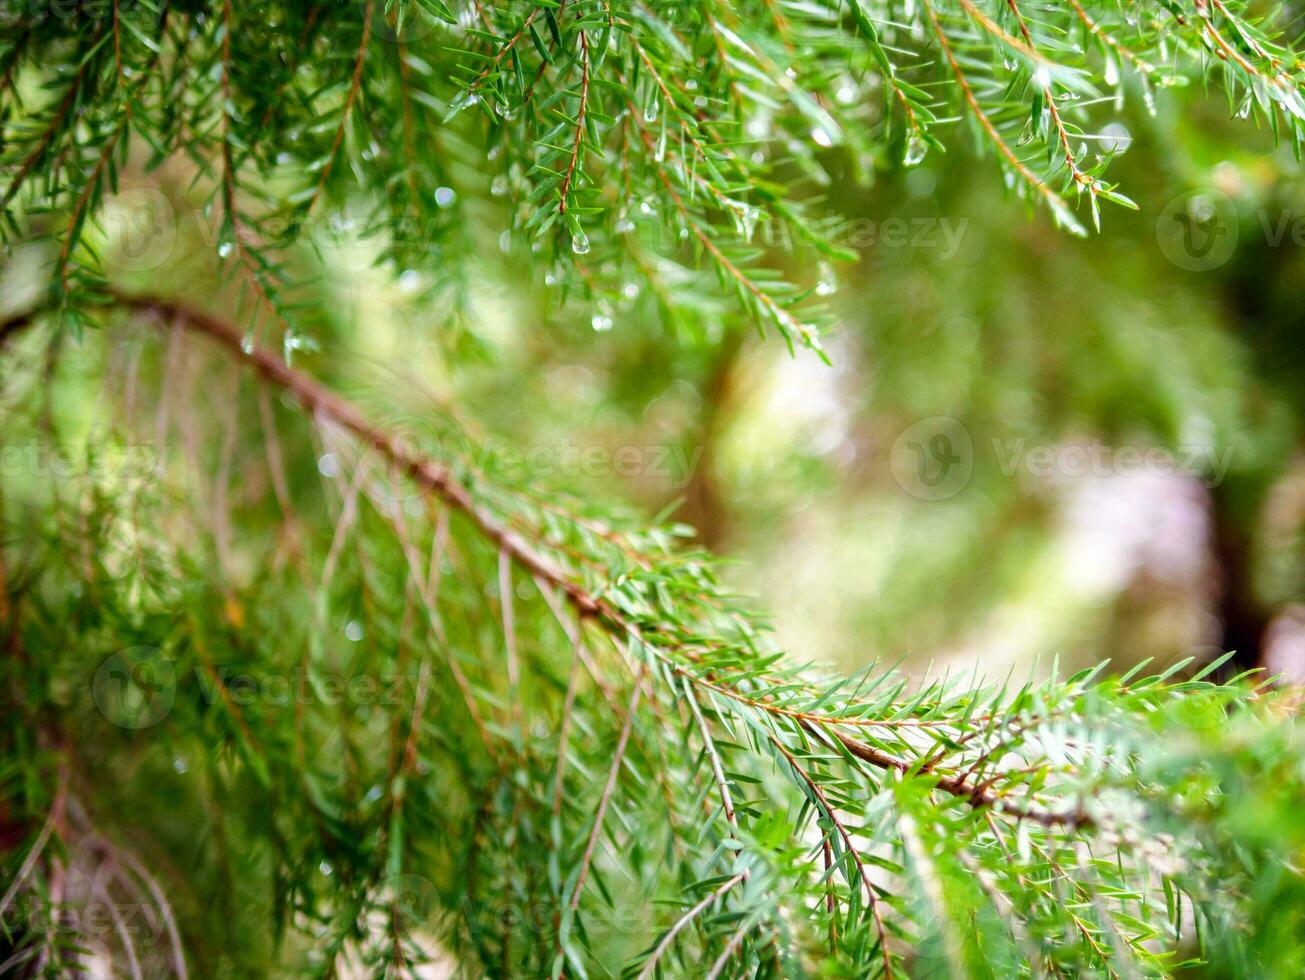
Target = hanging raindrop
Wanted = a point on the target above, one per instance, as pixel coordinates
(916, 148)
(748, 222)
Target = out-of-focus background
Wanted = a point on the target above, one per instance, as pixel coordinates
(1029, 449)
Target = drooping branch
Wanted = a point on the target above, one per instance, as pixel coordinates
(317, 400)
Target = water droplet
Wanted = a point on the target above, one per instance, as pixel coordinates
(324, 868)
(225, 249)
(845, 95)
(624, 225)
(328, 465)
(647, 208)
(1116, 137)
(652, 110)
(1201, 208)
(247, 344)
(916, 148)
(601, 322)
(748, 222)
(826, 286)
(444, 196)
(499, 186)
(410, 281)
(580, 243)
(505, 242)
(821, 137)
(179, 764)
(353, 631)
(630, 290)
(1111, 73)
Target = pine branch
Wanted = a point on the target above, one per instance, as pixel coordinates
(617, 723)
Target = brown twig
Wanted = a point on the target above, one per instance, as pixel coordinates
(972, 100)
(355, 85)
(315, 398)
(579, 123)
(606, 797)
(846, 837)
(47, 137)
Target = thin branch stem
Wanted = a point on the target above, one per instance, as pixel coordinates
(315, 398)
(669, 938)
(606, 797)
(569, 178)
(355, 85)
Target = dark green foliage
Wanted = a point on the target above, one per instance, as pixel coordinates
(308, 689)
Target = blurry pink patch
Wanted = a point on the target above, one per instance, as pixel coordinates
(1284, 645)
